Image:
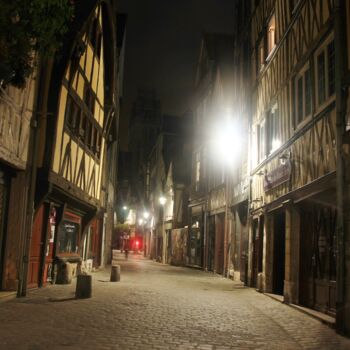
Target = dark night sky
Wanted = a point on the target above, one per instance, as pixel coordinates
(162, 45)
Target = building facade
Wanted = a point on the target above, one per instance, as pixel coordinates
(76, 149)
(296, 225)
(17, 111)
(208, 234)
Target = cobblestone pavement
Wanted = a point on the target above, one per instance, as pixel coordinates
(159, 307)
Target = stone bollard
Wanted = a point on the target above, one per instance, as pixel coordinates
(115, 273)
(83, 289)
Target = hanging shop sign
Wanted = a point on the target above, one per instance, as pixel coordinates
(278, 176)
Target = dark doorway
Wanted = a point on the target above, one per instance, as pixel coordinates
(211, 243)
(258, 240)
(318, 257)
(3, 215)
(279, 249)
(219, 243)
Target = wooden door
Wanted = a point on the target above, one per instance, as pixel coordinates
(318, 258)
(256, 244)
(211, 243)
(279, 253)
(36, 249)
(3, 210)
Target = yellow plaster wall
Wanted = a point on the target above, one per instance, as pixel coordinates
(89, 59)
(95, 76)
(60, 124)
(79, 158)
(80, 88)
(74, 149)
(82, 60)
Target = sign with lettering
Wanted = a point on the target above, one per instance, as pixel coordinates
(278, 176)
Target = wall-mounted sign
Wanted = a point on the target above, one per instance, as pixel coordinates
(68, 237)
(278, 176)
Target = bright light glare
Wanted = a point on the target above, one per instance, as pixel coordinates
(125, 207)
(146, 215)
(226, 141)
(276, 144)
(162, 200)
(140, 221)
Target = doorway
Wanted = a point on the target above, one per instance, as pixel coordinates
(219, 242)
(3, 215)
(211, 243)
(279, 249)
(318, 257)
(258, 240)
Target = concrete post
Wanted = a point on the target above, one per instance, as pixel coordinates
(84, 287)
(115, 273)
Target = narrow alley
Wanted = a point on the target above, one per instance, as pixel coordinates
(156, 306)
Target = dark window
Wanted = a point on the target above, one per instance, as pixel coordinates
(321, 78)
(331, 68)
(89, 99)
(308, 95)
(72, 113)
(83, 126)
(300, 98)
(303, 95)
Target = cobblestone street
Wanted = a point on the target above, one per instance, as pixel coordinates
(159, 307)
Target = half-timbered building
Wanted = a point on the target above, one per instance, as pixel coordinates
(76, 146)
(207, 244)
(16, 117)
(294, 150)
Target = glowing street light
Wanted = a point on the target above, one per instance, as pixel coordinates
(226, 141)
(125, 207)
(140, 222)
(162, 200)
(146, 215)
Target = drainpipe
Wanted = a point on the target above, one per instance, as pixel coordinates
(340, 55)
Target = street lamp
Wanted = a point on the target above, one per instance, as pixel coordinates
(146, 215)
(162, 200)
(125, 207)
(226, 146)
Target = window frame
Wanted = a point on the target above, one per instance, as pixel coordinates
(305, 117)
(328, 97)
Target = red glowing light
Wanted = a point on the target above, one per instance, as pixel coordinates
(137, 242)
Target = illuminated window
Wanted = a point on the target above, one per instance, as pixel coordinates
(271, 35)
(197, 171)
(272, 131)
(261, 133)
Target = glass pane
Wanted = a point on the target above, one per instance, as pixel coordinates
(321, 83)
(300, 97)
(307, 92)
(331, 68)
(67, 237)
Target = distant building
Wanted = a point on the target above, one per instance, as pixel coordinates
(207, 245)
(168, 181)
(145, 126)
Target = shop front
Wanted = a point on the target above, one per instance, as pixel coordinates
(195, 242)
